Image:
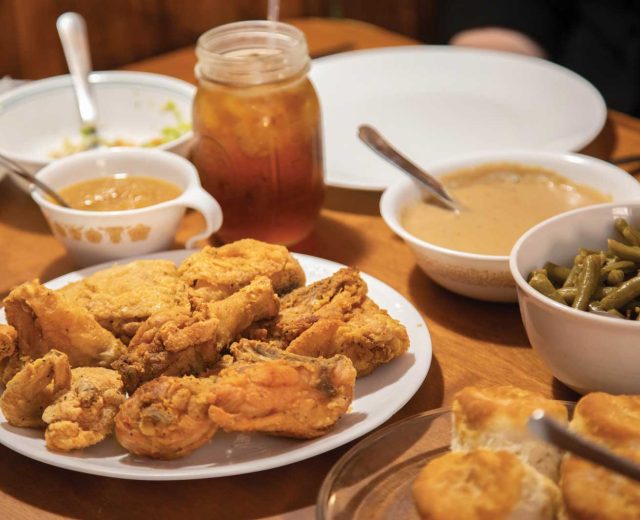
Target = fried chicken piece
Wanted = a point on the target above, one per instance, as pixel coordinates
(369, 337)
(45, 320)
(122, 297)
(335, 297)
(217, 272)
(274, 392)
(166, 418)
(171, 343)
(85, 414)
(34, 388)
(9, 358)
(265, 390)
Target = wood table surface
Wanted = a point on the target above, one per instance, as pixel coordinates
(473, 342)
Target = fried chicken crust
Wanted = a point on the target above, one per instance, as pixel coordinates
(369, 337)
(171, 343)
(265, 390)
(271, 391)
(217, 272)
(9, 360)
(122, 297)
(45, 320)
(34, 388)
(334, 316)
(85, 414)
(166, 418)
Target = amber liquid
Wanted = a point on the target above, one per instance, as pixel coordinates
(258, 150)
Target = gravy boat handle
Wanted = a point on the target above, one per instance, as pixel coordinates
(197, 198)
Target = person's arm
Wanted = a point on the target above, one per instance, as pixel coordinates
(530, 27)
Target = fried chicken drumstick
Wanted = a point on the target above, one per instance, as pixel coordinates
(178, 343)
(265, 390)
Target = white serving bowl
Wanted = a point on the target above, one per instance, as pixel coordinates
(487, 277)
(585, 351)
(92, 237)
(36, 118)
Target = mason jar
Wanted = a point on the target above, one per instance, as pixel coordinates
(257, 128)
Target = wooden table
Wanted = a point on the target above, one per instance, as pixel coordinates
(473, 342)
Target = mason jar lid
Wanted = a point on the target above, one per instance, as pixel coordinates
(251, 53)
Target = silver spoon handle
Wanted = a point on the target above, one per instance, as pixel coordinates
(372, 138)
(555, 433)
(72, 30)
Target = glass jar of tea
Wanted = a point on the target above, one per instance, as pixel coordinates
(256, 121)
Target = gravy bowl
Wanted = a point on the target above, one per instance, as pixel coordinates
(481, 276)
(585, 351)
(98, 236)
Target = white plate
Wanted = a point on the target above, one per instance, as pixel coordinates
(437, 102)
(378, 397)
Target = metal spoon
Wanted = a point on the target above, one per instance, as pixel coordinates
(72, 30)
(553, 432)
(372, 138)
(14, 168)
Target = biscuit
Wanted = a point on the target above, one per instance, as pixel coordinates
(496, 418)
(484, 485)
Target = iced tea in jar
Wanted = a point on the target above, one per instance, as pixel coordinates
(256, 121)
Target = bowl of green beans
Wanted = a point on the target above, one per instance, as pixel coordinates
(578, 281)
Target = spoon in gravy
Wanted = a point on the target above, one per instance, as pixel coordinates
(15, 169)
(372, 138)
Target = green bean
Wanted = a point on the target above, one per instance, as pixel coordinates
(621, 295)
(587, 281)
(615, 277)
(556, 273)
(617, 313)
(631, 238)
(624, 251)
(541, 283)
(629, 233)
(622, 265)
(620, 224)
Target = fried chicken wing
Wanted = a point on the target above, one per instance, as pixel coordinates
(188, 343)
(369, 337)
(217, 272)
(274, 392)
(122, 297)
(45, 320)
(85, 414)
(330, 298)
(34, 388)
(166, 418)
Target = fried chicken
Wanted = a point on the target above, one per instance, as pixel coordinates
(45, 320)
(334, 316)
(271, 391)
(330, 298)
(122, 297)
(9, 359)
(171, 343)
(369, 337)
(34, 388)
(217, 272)
(265, 390)
(85, 414)
(166, 418)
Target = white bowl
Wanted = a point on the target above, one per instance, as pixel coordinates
(99, 236)
(36, 118)
(586, 352)
(487, 277)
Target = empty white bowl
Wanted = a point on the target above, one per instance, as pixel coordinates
(487, 277)
(36, 118)
(585, 351)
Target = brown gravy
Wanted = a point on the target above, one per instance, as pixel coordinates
(501, 201)
(119, 192)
